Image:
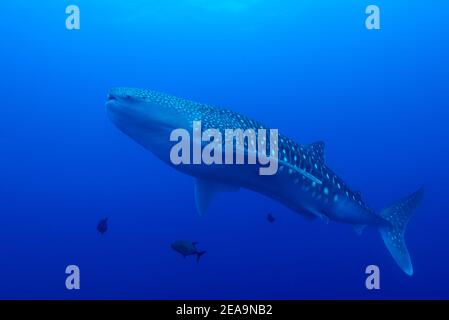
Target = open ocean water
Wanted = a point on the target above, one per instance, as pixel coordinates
(378, 98)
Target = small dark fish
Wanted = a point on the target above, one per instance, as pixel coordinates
(102, 226)
(270, 218)
(187, 248)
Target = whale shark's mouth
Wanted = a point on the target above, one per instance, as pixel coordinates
(111, 101)
(125, 117)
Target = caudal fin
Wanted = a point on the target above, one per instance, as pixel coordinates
(198, 255)
(398, 216)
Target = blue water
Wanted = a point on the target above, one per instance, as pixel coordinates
(379, 99)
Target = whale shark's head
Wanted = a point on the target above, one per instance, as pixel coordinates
(147, 116)
(150, 110)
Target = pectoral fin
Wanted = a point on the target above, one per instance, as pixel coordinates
(205, 191)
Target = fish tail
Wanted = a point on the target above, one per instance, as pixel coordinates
(398, 216)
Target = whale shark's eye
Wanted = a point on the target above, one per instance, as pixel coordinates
(130, 98)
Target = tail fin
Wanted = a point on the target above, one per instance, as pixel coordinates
(198, 255)
(398, 215)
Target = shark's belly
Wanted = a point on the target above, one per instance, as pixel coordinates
(291, 188)
(296, 192)
(279, 187)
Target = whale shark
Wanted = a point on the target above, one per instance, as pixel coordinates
(303, 182)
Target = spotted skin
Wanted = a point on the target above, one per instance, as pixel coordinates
(303, 164)
(303, 182)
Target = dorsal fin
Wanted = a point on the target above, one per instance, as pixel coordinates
(317, 149)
